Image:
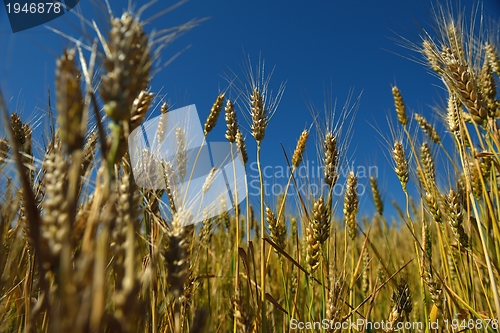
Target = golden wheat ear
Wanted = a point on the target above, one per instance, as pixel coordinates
(330, 159)
(317, 233)
(277, 229)
(400, 106)
(56, 221)
(351, 203)
(240, 142)
(377, 198)
(336, 293)
(69, 101)
(461, 79)
(231, 122)
(434, 287)
(300, 148)
(258, 114)
(493, 58)
(456, 218)
(428, 128)
(401, 304)
(401, 164)
(214, 114)
(428, 176)
(4, 150)
(128, 63)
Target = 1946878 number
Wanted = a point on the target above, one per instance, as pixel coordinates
(34, 8)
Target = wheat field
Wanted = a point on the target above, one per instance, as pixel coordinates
(86, 249)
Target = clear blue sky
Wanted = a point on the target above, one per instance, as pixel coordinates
(340, 46)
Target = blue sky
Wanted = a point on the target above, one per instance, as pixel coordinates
(317, 47)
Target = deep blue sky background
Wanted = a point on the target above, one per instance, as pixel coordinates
(316, 46)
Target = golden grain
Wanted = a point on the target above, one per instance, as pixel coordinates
(351, 203)
(214, 114)
(400, 106)
(69, 101)
(299, 149)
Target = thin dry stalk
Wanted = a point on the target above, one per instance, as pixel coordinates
(366, 277)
